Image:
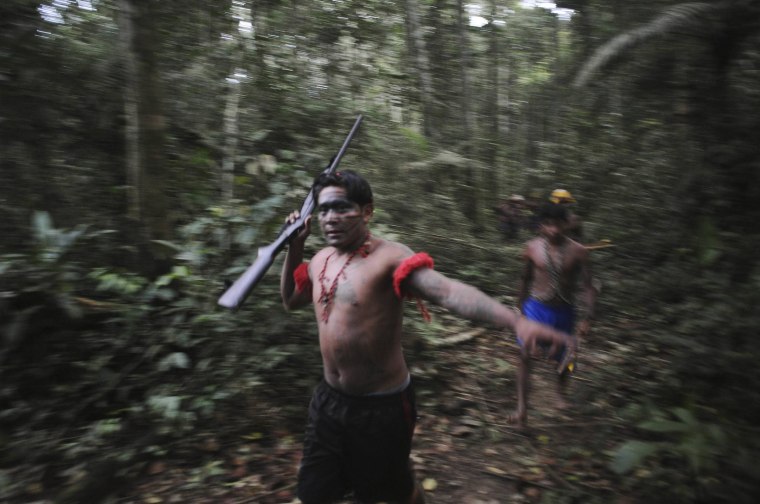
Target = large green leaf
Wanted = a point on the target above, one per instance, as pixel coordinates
(631, 454)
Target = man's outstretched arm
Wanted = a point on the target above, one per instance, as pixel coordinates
(470, 303)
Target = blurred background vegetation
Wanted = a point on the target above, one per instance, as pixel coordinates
(149, 147)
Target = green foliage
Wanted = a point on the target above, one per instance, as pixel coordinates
(50, 269)
(124, 352)
(686, 459)
(708, 243)
(632, 453)
(661, 155)
(415, 138)
(698, 444)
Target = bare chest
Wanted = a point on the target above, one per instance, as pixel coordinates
(349, 282)
(556, 260)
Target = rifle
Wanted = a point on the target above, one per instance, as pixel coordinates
(601, 244)
(237, 293)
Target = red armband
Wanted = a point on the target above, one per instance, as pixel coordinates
(301, 277)
(407, 267)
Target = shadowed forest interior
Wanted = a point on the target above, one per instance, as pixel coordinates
(149, 148)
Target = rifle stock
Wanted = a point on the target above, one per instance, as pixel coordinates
(237, 293)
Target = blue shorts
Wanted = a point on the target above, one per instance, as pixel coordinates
(561, 317)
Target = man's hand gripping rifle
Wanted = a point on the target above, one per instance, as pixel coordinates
(237, 293)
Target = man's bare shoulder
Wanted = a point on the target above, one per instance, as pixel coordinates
(532, 245)
(392, 251)
(535, 241)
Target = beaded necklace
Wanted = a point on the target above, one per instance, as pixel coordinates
(556, 269)
(327, 296)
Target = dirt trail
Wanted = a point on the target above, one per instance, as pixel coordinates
(464, 451)
(474, 455)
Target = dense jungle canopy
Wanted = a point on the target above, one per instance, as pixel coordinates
(149, 147)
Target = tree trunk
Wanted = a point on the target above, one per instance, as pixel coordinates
(491, 113)
(231, 131)
(131, 129)
(422, 66)
(144, 133)
(472, 175)
(464, 64)
(242, 44)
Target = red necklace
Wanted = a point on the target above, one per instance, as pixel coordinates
(327, 296)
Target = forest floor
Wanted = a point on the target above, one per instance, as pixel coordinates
(464, 449)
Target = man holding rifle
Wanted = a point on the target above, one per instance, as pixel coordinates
(362, 414)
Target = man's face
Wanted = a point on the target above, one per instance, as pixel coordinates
(552, 229)
(343, 222)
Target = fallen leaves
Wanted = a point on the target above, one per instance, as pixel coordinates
(463, 451)
(429, 484)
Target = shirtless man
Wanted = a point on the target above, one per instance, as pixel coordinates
(362, 414)
(509, 215)
(554, 264)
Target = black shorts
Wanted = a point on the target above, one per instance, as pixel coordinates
(357, 444)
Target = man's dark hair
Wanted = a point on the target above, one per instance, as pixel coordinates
(552, 211)
(357, 188)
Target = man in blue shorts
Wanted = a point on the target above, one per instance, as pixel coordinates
(555, 266)
(362, 414)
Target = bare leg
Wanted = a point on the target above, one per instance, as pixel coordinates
(562, 402)
(520, 416)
